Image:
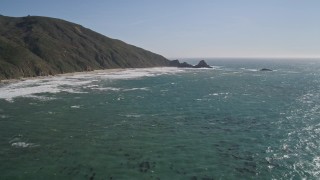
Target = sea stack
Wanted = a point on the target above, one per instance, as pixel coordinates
(202, 64)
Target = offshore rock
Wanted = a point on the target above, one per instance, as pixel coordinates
(144, 166)
(202, 64)
(176, 63)
(265, 69)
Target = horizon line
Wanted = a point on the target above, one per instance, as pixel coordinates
(242, 57)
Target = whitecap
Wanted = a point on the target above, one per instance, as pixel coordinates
(247, 69)
(217, 94)
(23, 145)
(75, 106)
(18, 142)
(316, 161)
(120, 89)
(92, 86)
(270, 166)
(141, 72)
(132, 115)
(41, 98)
(107, 89)
(134, 89)
(285, 156)
(3, 116)
(216, 67)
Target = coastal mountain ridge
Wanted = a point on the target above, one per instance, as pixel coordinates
(40, 46)
(37, 46)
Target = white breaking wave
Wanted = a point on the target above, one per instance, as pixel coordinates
(246, 69)
(131, 115)
(141, 72)
(217, 94)
(3, 116)
(134, 89)
(106, 89)
(17, 142)
(75, 106)
(23, 145)
(29, 88)
(75, 83)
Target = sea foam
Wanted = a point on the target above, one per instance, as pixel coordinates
(76, 83)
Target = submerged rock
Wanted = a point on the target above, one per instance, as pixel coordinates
(144, 166)
(265, 69)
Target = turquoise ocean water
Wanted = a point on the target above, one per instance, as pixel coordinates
(229, 122)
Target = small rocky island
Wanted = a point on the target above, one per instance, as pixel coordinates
(201, 64)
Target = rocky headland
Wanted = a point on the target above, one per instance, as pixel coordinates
(40, 46)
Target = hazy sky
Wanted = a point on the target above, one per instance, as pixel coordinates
(193, 28)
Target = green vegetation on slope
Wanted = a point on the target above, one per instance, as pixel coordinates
(35, 46)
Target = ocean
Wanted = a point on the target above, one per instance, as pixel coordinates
(229, 122)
